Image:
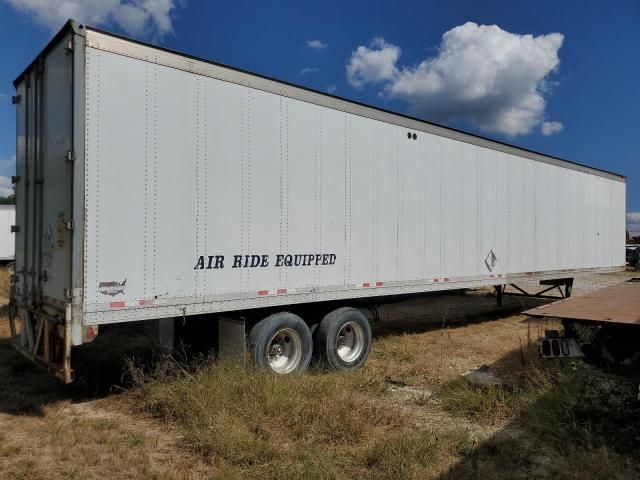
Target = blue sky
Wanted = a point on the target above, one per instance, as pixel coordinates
(557, 77)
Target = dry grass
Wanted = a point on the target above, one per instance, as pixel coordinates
(69, 441)
(49, 431)
(224, 421)
(494, 404)
(254, 424)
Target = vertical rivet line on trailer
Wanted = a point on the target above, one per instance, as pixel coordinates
(89, 116)
(398, 200)
(197, 182)
(401, 200)
(350, 197)
(535, 218)
(377, 257)
(401, 178)
(205, 179)
(523, 266)
(282, 185)
(242, 181)
(597, 199)
(443, 233)
(318, 209)
(495, 203)
(401, 162)
(507, 266)
(145, 248)
(155, 178)
(423, 157)
(595, 223)
(250, 110)
(581, 215)
(378, 213)
(376, 194)
(287, 179)
(478, 211)
(610, 219)
(557, 217)
(315, 188)
(96, 162)
(321, 190)
(344, 259)
(463, 237)
(372, 241)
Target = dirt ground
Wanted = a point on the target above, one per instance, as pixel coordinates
(51, 431)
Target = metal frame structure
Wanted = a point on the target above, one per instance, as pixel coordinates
(551, 284)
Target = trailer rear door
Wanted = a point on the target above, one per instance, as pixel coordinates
(43, 189)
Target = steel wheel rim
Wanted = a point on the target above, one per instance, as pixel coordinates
(350, 342)
(285, 351)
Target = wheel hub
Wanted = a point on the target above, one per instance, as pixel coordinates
(285, 351)
(350, 342)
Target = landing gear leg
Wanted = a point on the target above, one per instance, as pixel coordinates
(499, 292)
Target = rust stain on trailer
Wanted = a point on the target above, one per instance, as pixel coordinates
(616, 304)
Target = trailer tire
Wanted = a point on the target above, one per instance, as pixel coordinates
(281, 343)
(343, 339)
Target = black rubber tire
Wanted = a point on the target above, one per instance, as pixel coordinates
(262, 332)
(326, 337)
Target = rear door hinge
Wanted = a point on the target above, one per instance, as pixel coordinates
(70, 45)
(15, 179)
(16, 99)
(70, 156)
(69, 225)
(15, 228)
(68, 294)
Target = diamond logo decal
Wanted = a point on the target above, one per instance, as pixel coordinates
(491, 260)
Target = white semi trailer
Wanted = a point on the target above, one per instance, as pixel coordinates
(153, 185)
(7, 242)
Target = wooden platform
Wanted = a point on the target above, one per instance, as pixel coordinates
(616, 304)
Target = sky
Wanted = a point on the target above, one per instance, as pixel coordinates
(556, 77)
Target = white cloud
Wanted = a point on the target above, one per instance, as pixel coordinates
(136, 17)
(549, 128)
(331, 88)
(317, 44)
(373, 64)
(633, 217)
(7, 166)
(483, 74)
(307, 70)
(6, 188)
(633, 221)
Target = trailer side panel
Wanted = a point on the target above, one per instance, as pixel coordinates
(207, 195)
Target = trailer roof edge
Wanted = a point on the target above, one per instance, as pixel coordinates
(70, 24)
